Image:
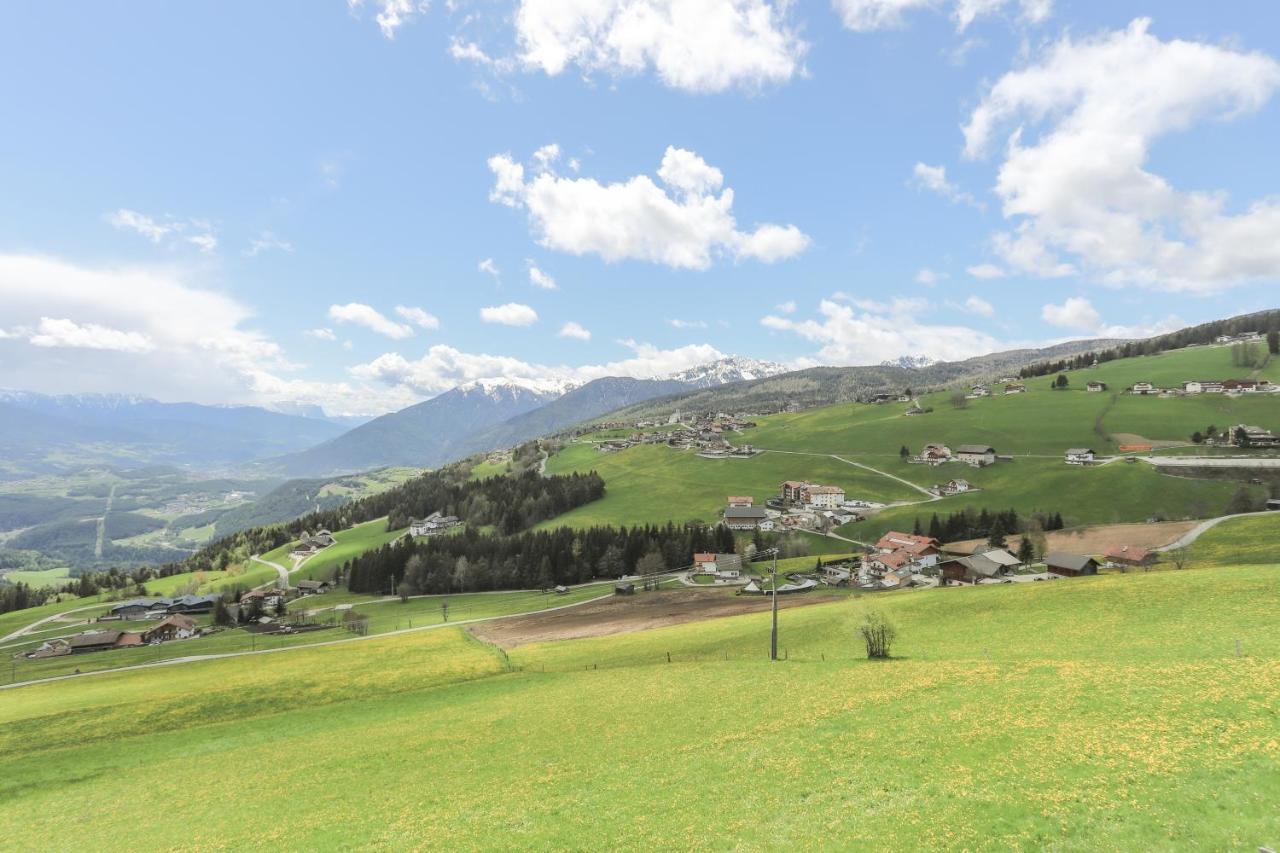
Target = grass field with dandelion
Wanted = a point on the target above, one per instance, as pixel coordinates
(1119, 712)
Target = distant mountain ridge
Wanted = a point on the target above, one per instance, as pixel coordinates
(488, 414)
(42, 432)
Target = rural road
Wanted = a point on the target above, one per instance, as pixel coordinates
(1211, 461)
(1208, 524)
(102, 523)
(27, 629)
(280, 570)
(220, 656)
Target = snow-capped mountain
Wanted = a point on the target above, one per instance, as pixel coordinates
(910, 362)
(732, 369)
(499, 386)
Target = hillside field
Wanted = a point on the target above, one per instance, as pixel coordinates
(655, 484)
(1102, 713)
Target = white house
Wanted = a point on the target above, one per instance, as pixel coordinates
(976, 454)
(1202, 386)
(1080, 456)
(1144, 388)
(826, 497)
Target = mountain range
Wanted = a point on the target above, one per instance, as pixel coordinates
(494, 413)
(42, 433)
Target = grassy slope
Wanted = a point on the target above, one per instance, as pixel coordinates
(1135, 727)
(46, 577)
(656, 484)
(1241, 540)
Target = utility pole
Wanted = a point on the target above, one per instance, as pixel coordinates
(773, 637)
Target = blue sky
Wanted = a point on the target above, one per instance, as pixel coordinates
(228, 202)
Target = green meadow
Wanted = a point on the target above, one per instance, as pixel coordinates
(655, 484)
(1097, 713)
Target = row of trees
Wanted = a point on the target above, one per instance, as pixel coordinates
(985, 524)
(470, 561)
(1202, 334)
(508, 503)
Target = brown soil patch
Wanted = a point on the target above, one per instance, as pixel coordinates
(1095, 540)
(639, 612)
(1134, 438)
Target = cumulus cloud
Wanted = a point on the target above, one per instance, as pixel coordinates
(195, 232)
(928, 277)
(418, 317)
(870, 15)
(682, 224)
(369, 317)
(978, 305)
(1077, 314)
(538, 278)
(575, 331)
(321, 334)
(788, 307)
(867, 332)
(693, 45)
(510, 314)
(934, 179)
(68, 333)
(443, 367)
(1078, 195)
(391, 14)
(489, 267)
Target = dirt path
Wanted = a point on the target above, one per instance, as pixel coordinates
(624, 614)
(102, 523)
(283, 581)
(930, 496)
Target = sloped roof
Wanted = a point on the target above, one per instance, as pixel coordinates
(1126, 552)
(975, 448)
(745, 512)
(1075, 562)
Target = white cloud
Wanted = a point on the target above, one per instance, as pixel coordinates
(575, 331)
(488, 266)
(687, 324)
(168, 228)
(934, 179)
(391, 14)
(321, 334)
(694, 45)
(266, 242)
(443, 367)
(418, 317)
(928, 277)
(978, 305)
(1077, 314)
(510, 314)
(1078, 195)
(788, 307)
(370, 318)
(882, 331)
(985, 271)
(869, 15)
(538, 278)
(67, 333)
(684, 225)
(128, 329)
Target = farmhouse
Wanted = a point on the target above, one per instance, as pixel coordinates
(1143, 388)
(1070, 565)
(138, 608)
(1095, 387)
(999, 556)
(264, 597)
(192, 604)
(309, 587)
(976, 454)
(433, 524)
(1128, 555)
(309, 544)
(979, 391)
(1244, 435)
(893, 540)
(975, 568)
(1203, 386)
(934, 454)
(1080, 456)
(744, 517)
(740, 500)
(953, 487)
(97, 641)
(1015, 388)
(176, 627)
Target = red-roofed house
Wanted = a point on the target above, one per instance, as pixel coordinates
(1129, 555)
